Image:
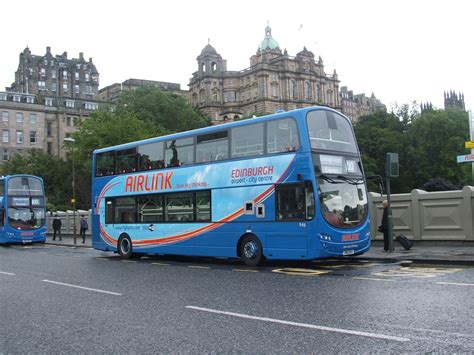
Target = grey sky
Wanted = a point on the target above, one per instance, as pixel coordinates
(401, 50)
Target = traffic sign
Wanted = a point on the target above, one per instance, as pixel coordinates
(465, 158)
(469, 144)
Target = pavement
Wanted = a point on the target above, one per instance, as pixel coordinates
(425, 252)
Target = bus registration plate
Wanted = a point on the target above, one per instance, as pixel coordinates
(348, 252)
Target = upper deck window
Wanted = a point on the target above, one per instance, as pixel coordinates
(247, 140)
(151, 156)
(105, 163)
(212, 146)
(126, 160)
(25, 186)
(179, 152)
(282, 136)
(330, 131)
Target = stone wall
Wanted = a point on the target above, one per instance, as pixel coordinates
(428, 216)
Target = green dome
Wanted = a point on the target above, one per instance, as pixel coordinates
(268, 42)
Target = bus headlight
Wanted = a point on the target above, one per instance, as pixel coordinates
(325, 237)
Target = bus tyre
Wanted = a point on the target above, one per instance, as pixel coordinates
(251, 250)
(124, 246)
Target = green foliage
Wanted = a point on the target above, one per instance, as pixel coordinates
(166, 113)
(55, 173)
(427, 145)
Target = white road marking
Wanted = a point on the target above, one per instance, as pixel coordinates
(128, 261)
(83, 288)
(454, 283)
(7, 273)
(304, 325)
(245, 270)
(161, 264)
(372, 279)
(198, 267)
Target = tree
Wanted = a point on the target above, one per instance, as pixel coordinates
(56, 175)
(167, 113)
(378, 134)
(435, 138)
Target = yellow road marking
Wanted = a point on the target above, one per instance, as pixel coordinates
(417, 272)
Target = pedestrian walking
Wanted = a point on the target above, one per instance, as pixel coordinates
(57, 227)
(84, 227)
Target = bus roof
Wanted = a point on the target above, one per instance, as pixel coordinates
(279, 114)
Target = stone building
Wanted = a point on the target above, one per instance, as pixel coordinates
(453, 99)
(274, 80)
(42, 107)
(112, 92)
(356, 106)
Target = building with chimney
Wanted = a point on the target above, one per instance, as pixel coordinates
(274, 80)
(44, 104)
(356, 106)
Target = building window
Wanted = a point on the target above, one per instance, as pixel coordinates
(65, 87)
(94, 78)
(77, 89)
(19, 137)
(5, 116)
(53, 87)
(294, 92)
(19, 117)
(275, 90)
(88, 90)
(41, 85)
(48, 102)
(49, 148)
(49, 129)
(33, 137)
(53, 73)
(33, 118)
(6, 156)
(68, 121)
(5, 136)
(43, 72)
(78, 66)
(30, 99)
(64, 74)
(70, 103)
(86, 75)
(3, 97)
(76, 75)
(90, 106)
(16, 98)
(307, 91)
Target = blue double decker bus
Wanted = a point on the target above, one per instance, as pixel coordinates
(22, 209)
(284, 186)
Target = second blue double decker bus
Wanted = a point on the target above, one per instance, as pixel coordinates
(284, 186)
(22, 209)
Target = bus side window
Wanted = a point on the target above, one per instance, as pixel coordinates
(2, 217)
(290, 202)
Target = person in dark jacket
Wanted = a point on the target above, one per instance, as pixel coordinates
(384, 226)
(57, 227)
(84, 227)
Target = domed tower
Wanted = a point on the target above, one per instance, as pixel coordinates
(210, 62)
(206, 85)
(267, 50)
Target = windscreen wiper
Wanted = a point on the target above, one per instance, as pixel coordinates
(349, 180)
(328, 179)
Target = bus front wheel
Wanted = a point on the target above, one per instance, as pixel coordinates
(251, 250)
(124, 246)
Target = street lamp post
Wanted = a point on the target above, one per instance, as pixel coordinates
(73, 200)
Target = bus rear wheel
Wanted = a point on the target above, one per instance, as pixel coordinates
(251, 250)
(124, 246)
